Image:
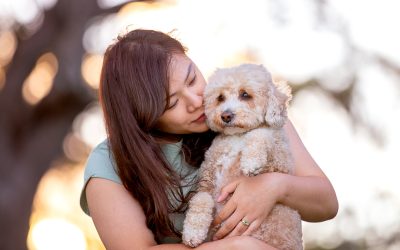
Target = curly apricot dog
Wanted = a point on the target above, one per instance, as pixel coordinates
(248, 110)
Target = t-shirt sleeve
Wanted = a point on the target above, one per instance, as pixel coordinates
(100, 164)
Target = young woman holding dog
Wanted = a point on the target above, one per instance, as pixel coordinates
(138, 181)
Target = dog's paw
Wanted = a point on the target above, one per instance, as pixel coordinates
(194, 236)
(192, 242)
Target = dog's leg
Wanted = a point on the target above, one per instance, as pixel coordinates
(201, 208)
(198, 219)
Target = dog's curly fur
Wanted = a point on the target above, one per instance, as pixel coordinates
(249, 111)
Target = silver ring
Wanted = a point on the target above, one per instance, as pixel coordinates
(245, 222)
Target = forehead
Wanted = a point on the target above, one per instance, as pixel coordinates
(245, 77)
(178, 68)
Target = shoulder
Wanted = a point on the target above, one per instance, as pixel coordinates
(100, 151)
(101, 163)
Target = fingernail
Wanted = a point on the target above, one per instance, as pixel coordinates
(219, 198)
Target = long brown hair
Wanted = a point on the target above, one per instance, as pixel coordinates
(134, 94)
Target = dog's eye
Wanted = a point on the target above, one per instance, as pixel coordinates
(221, 98)
(244, 95)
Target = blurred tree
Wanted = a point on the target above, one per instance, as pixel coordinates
(31, 136)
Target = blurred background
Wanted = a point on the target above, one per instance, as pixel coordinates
(342, 59)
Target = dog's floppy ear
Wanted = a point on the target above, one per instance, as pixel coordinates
(276, 110)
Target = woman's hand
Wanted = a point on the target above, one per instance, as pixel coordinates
(252, 200)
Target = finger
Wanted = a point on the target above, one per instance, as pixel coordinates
(226, 211)
(252, 228)
(240, 228)
(228, 225)
(226, 190)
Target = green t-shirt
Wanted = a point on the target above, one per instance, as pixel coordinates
(101, 164)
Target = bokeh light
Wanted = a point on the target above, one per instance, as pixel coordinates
(89, 126)
(8, 44)
(57, 221)
(40, 81)
(74, 148)
(91, 68)
(50, 234)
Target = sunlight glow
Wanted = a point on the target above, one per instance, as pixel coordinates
(40, 81)
(56, 203)
(55, 233)
(370, 22)
(373, 102)
(296, 50)
(300, 53)
(342, 151)
(25, 11)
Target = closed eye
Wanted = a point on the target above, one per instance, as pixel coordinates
(192, 82)
(173, 105)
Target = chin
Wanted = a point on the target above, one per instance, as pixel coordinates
(200, 129)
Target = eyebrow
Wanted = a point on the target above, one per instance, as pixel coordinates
(187, 76)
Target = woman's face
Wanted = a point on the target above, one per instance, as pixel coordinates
(185, 113)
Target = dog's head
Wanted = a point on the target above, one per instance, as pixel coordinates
(242, 98)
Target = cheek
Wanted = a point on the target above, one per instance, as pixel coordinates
(173, 121)
(178, 121)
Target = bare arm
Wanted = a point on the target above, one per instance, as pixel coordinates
(309, 191)
(121, 223)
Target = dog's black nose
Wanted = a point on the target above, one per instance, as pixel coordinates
(227, 116)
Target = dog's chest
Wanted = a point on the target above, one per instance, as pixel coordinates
(224, 156)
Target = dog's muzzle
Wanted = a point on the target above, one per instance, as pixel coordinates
(227, 116)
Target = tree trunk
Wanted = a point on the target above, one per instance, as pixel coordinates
(31, 136)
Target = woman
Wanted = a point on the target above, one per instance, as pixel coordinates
(138, 181)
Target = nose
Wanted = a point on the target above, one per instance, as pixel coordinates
(195, 101)
(227, 116)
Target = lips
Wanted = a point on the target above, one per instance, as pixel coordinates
(200, 119)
